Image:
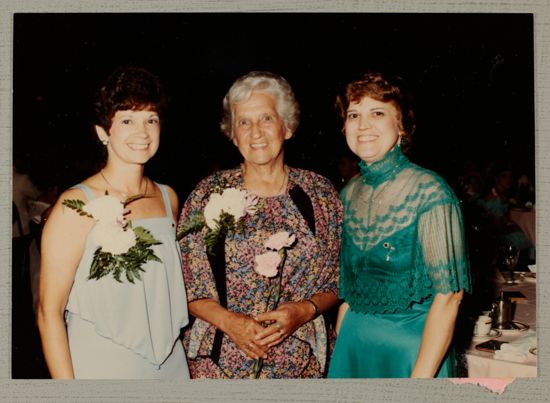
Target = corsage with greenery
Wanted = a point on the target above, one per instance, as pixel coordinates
(223, 213)
(122, 249)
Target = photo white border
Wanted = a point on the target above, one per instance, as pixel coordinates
(528, 389)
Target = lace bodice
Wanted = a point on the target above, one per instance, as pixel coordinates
(403, 237)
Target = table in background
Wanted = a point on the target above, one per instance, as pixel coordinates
(483, 364)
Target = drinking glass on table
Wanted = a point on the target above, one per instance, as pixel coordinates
(483, 325)
(508, 259)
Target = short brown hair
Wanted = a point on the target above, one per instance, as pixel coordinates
(384, 89)
(128, 88)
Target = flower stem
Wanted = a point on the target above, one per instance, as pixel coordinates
(280, 277)
(258, 364)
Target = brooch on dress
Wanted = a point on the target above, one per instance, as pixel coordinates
(390, 248)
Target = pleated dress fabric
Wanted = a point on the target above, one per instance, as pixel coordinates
(130, 331)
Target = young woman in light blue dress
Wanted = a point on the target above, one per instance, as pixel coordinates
(403, 263)
(126, 326)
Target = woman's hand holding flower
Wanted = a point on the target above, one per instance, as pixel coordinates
(242, 330)
(285, 320)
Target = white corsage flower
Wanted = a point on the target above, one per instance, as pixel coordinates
(213, 210)
(105, 208)
(236, 202)
(232, 201)
(223, 212)
(121, 249)
(112, 238)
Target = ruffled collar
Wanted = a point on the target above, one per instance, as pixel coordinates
(380, 171)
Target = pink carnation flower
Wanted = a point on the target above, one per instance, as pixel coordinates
(280, 240)
(267, 264)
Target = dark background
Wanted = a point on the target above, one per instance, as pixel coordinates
(472, 75)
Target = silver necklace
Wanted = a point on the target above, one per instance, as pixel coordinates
(137, 196)
(285, 180)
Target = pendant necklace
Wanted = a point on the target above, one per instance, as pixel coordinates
(135, 197)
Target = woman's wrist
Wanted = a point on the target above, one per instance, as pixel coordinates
(314, 308)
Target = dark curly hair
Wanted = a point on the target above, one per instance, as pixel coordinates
(384, 89)
(128, 88)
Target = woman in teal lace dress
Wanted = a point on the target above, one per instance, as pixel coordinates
(403, 263)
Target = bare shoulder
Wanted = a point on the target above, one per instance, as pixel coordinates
(71, 194)
(62, 244)
(63, 215)
(76, 192)
(172, 195)
(174, 202)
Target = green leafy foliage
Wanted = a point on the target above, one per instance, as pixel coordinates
(77, 205)
(194, 224)
(224, 224)
(128, 264)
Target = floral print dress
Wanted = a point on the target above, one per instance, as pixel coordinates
(311, 267)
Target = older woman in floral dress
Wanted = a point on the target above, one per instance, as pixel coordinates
(240, 330)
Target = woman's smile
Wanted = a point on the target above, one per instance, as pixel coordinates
(367, 138)
(371, 128)
(259, 131)
(138, 147)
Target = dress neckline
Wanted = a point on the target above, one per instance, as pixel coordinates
(379, 171)
(290, 183)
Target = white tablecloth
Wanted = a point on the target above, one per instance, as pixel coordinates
(484, 365)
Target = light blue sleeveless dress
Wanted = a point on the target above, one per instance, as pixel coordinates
(402, 243)
(130, 331)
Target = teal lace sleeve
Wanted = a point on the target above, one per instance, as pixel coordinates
(443, 244)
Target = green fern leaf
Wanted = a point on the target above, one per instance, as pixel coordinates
(77, 205)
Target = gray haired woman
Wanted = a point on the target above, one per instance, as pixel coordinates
(241, 329)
